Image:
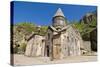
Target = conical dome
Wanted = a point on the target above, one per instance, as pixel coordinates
(59, 19)
(59, 13)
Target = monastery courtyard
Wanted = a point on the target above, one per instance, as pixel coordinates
(23, 60)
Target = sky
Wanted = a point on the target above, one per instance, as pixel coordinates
(42, 13)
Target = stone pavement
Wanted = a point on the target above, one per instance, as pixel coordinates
(23, 60)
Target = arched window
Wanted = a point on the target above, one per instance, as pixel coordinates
(67, 39)
(48, 35)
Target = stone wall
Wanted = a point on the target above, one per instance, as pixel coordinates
(87, 46)
(35, 46)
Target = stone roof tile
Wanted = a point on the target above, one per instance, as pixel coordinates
(59, 13)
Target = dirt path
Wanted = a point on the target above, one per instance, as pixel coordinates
(23, 60)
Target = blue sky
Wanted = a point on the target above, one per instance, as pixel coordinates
(42, 13)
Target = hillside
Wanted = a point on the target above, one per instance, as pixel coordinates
(22, 31)
(88, 29)
(86, 25)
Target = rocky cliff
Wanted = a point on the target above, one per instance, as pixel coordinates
(88, 28)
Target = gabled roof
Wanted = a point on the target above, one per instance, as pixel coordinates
(59, 13)
(54, 29)
(30, 36)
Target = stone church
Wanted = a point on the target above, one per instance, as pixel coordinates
(61, 40)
